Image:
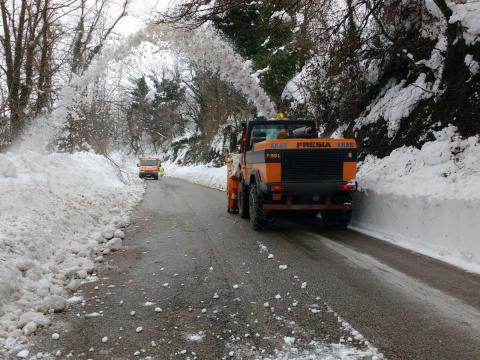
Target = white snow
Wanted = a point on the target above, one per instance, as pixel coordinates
(196, 337)
(425, 200)
(473, 66)
(93, 315)
(319, 350)
(53, 210)
(75, 299)
(119, 234)
(296, 89)
(23, 354)
(114, 244)
(30, 328)
(281, 15)
(395, 103)
(199, 174)
(468, 13)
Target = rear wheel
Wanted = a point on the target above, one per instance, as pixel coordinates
(260, 219)
(339, 219)
(243, 200)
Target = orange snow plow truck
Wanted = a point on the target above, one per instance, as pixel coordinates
(285, 167)
(148, 167)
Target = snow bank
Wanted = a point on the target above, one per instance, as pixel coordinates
(467, 13)
(53, 210)
(199, 174)
(425, 200)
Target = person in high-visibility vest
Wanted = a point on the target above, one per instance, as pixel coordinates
(161, 170)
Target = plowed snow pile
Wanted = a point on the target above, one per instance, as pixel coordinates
(53, 211)
(426, 200)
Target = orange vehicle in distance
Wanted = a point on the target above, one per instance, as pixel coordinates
(148, 167)
(285, 167)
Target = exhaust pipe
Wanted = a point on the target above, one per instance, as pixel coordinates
(306, 131)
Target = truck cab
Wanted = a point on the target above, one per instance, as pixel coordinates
(285, 166)
(148, 167)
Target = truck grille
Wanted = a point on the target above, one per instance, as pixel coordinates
(314, 165)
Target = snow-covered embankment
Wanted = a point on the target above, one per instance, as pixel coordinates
(53, 211)
(425, 200)
(205, 175)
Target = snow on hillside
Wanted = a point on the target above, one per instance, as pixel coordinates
(468, 13)
(448, 168)
(53, 212)
(426, 200)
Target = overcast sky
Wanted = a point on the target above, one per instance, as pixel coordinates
(139, 12)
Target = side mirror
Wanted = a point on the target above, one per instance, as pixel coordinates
(138, 165)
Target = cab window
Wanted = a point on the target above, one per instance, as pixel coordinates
(262, 132)
(148, 162)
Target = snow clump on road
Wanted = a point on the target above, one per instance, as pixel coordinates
(53, 210)
(322, 351)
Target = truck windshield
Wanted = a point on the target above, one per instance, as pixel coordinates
(148, 162)
(263, 132)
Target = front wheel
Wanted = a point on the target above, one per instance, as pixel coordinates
(260, 219)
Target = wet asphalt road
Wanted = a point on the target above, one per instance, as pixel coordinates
(211, 275)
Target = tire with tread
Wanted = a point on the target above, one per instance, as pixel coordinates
(259, 218)
(339, 219)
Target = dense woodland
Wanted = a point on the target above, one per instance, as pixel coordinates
(388, 72)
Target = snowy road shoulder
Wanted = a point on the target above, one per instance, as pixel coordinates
(57, 212)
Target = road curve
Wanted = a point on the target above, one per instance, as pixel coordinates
(198, 280)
